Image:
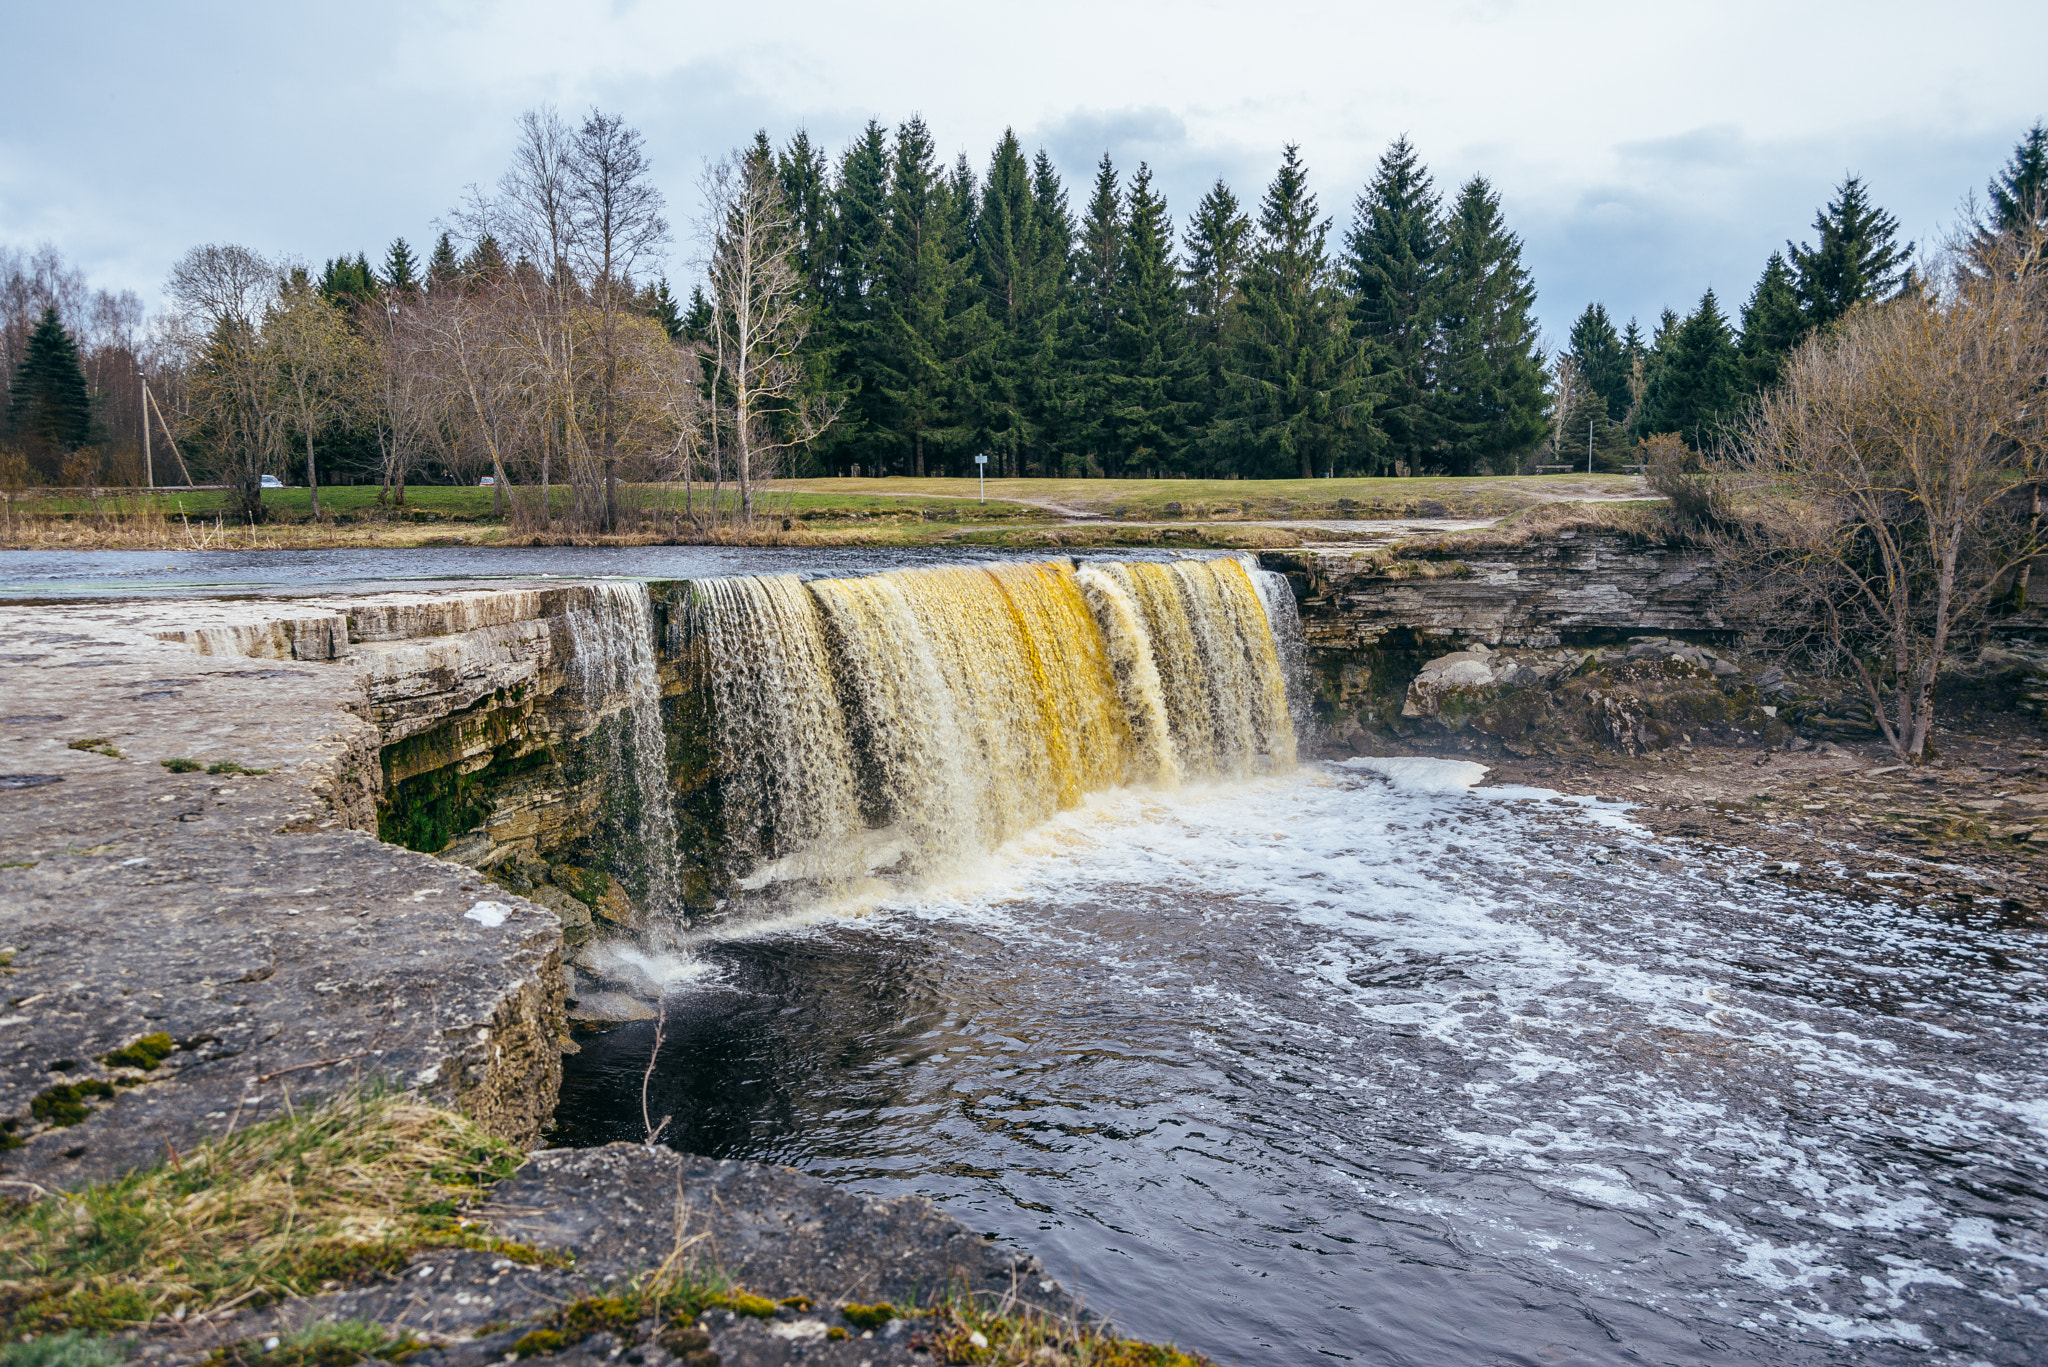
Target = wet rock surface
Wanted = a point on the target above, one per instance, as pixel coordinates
(248, 915)
(621, 1212)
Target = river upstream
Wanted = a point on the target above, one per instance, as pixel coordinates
(1316, 1066)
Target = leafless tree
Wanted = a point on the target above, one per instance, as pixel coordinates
(617, 227)
(474, 343)
(760, 401)
(220, 291)
(1887, 496)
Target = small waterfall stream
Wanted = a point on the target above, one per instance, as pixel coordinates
(614, 654)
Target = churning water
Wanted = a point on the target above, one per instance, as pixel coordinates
(1311, 1065)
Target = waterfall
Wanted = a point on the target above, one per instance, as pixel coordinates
(1283, 616)
(613, 638)
(904, 721)
(786, 785)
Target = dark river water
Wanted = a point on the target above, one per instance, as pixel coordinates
(1313, 1069)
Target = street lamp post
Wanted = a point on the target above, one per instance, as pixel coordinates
(981, 470)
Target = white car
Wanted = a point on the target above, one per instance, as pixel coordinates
(272, 482)
(486, 482)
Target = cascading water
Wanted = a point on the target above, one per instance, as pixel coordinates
(1283, 616)
(906, 720)
(614, 651)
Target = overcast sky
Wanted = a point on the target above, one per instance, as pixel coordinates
(1643, 151)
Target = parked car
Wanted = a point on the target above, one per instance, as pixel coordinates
(272, 482)
(486, 482)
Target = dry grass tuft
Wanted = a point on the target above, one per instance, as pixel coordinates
(332, 1192)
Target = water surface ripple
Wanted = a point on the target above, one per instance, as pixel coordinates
(1305, 1067)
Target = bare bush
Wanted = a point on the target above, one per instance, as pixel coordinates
(1889, 491)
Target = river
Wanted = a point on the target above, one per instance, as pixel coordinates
(1314, 1067)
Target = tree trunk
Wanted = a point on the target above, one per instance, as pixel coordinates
(312, 483)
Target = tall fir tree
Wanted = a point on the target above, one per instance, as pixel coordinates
(347, 282)
(400, 277)
(1021, 250)
(1772, 324)
(662, 307)
(2019, 192)
(1636, 352)
(697, 316)
(1218, 242)
(853, 328)
(1697, 389)
(1298, 384)
(1393, 265)
(1856, 259)
(49, 405)
(1603, 363)
(1488, 399)
(1150, 377)
(1089, 430)
(444, 269)
(915, 287)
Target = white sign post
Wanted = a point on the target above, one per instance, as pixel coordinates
(981, 469)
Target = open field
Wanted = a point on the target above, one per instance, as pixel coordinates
(1215, 513)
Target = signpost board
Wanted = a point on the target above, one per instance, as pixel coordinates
(981, 469)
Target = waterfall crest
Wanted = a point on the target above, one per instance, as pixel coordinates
(903, 721)
(615, 658)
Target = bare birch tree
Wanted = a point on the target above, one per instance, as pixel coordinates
(759, 397)
(1888, 492)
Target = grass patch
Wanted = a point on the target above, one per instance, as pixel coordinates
(228, 766)
(182, 765)
(72, 1349)
(332, 1192)
(96, 745)
(340, 1343)
(1648, 521)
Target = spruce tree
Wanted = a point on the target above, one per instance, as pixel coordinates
(1772, 324)
(1020, 298)
(444, 271)
(401, 275)
(1090, 429)
(486, 262)
(1298, 382)
(915, 286)
(1603, 363)
(1218, 238)
(1857, 258)
(2019, 192)
(1637, 353)
(49, 406)
(1487, 406)
(860, 208)
(1697, 389)
(1393, 265)
(1149, 375)
(696, 319)
(1051, 385)
(662, 308)
(347, 282)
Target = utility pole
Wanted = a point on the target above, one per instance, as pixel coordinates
(1589, 446)
(148, 465)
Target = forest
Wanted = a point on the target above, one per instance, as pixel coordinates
(882, 312)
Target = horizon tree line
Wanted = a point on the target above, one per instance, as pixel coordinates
(885, 314)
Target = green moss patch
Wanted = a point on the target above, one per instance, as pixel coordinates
(147, 1053)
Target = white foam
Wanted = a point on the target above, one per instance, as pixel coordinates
(1419, 774)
